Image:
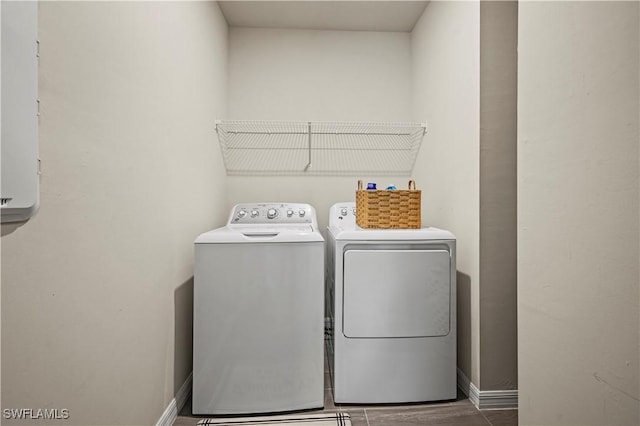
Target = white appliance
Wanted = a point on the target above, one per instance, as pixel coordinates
(258, 340)
(20, 166)
(392, 305)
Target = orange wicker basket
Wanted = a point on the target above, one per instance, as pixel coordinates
(388, 209)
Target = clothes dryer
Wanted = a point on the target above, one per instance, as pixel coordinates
(259, 312)
(392, 305)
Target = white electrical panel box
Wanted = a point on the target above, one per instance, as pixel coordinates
(19, 110)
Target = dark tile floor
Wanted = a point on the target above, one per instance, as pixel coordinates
(460, 412)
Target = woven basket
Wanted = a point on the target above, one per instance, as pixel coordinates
(388, 209)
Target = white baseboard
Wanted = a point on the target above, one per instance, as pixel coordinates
(171, 412)
(487, 400)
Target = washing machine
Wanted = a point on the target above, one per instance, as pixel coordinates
(258, 321)
(392, 311)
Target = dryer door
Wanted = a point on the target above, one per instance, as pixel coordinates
(396, 293)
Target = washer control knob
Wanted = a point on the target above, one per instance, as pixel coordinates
(301, 212)
(242, 213)
(272, 213)
(289, 213)
(343, 211)
(254, 213)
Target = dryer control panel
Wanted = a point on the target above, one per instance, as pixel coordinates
(273, 214)
(343, 215)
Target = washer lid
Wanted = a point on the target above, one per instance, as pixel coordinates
(260, 234)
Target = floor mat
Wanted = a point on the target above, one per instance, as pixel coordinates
(333, 419)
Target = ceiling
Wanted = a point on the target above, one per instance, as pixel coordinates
(325, 15)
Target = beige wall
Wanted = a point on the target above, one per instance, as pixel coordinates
(446, 92)
(301, 75)
(498, 230)
(464, 82)
(578, 200)
(96, 288)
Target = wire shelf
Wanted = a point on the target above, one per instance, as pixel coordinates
(277, 148)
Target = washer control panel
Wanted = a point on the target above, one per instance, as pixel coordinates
(272, 213)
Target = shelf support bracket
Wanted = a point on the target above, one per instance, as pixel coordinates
(306, 168)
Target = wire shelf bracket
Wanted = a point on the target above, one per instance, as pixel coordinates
(280, 148)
